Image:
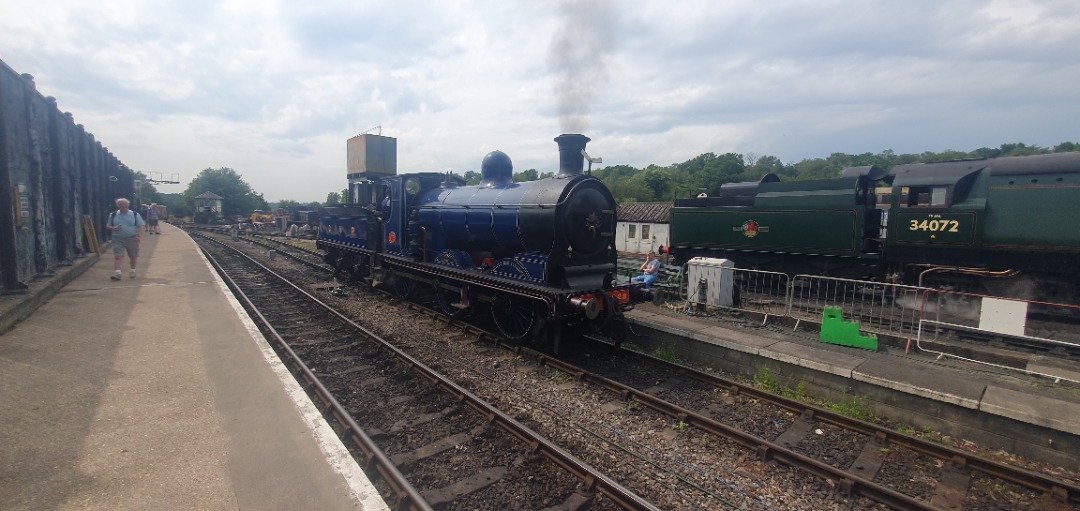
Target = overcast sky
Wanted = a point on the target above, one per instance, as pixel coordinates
(272, 89)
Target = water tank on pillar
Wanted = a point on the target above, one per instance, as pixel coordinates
(715, 276)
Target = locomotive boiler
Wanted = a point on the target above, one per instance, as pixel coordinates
(539, 254)
(982, 225)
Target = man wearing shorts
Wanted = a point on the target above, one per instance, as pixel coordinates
(126, 227)
(152, 220)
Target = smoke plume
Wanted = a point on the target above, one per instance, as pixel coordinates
(579, 58)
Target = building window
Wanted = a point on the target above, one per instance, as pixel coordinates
(644, 232)
(631, 231)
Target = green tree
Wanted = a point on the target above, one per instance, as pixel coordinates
(816, 169)
(1066, 147)
(526, 175)
(238, 197)
(658, 181)
(333, 199)
(287, 204)
(472, 177)
(769, 165)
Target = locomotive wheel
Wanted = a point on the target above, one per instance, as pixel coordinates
(514, 316)
(357, 267)
(404, 287)
(340, 264)
(449, 302)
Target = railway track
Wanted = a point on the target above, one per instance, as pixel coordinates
(855, 457)
(753, 436)
(385, 401)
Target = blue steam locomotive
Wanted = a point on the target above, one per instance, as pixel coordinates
(539, 254)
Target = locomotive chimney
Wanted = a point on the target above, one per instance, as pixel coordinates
(571, 154)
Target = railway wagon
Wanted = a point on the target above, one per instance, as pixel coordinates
(983, 225)
(539, 255)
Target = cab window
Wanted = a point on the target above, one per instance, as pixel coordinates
(924, 196)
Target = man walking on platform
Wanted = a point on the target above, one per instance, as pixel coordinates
(126, 227)
(152, 220)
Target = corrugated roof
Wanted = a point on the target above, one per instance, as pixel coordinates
(650, 212)
(209, 195)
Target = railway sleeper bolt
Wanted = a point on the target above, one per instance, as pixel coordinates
(589, 483)
(846, 487)
(764, 453)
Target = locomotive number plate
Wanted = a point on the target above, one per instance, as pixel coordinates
(946, 228)
(623, 295)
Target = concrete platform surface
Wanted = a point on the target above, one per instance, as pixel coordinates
(154, 393)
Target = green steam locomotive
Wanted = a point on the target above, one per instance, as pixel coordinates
(974, 225)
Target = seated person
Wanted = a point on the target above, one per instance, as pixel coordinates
(650, 270)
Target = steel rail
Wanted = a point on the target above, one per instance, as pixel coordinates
(1062, 490)
(592, 478)
(1059, 489)
(375, 457)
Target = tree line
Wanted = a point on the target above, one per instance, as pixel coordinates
(653, 183)
(705, 173)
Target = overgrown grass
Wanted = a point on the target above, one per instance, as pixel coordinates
(667, 353)
(560, 377)
(856, 407)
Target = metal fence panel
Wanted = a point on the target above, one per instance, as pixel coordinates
(763, 292)
(878, 307)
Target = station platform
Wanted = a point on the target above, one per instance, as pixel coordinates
(156, 393)
(1029, 416)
